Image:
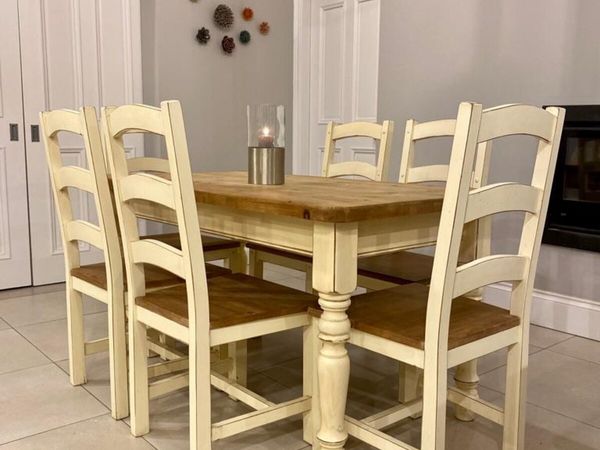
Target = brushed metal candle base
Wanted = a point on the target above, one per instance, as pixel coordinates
(266, 165)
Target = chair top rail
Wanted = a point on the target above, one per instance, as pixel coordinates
(148, 164)
(62, 120)
(135, 119)
(358, 129)
(434, 128)
(509, 120)
(353, 168)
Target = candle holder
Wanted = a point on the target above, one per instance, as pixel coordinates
(266, 144)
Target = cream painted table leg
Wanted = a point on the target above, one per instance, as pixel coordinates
(334, 278)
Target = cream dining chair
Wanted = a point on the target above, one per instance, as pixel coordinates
(199, 313)
(102, 281)
(383, 133)
(436, 327)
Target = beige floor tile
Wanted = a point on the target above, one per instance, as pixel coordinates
(51, 337)
(545, 337)
(292, 282)
(40, 308)
(98, 376)
(497, 359)
(559, 383)
(4, 325)
(270, 350)
(32, 290)
(99, 433)
(579, 347)
(283, 270)
(17, 353)
(39, 399)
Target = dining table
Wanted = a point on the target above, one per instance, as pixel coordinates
(335, 221)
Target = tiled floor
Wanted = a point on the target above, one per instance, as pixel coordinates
(39, 409)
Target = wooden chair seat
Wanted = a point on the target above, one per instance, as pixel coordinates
(398, 314)
(155, 277)
(234, 300)
(279, 252)
(398, 267)
(209, 243)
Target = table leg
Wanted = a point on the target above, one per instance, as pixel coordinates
(334, 277)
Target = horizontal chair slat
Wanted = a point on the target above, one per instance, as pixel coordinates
(80, 230)
(144, 186)
(488, 270)
(76, 177)
(437, 172)
(435, 128)
(348, 168)
(354, 129)
(146, 164)
(136, 118)
(517, 119)
(159, 254)
(502, 197)
(62, 120)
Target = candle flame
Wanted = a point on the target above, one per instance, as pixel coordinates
(265, 131)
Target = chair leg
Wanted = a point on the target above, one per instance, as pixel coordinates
(138, 377)
(310, 386)
(238, 261)
(467, 381)
(435, 385)
(200, 408)
(238, 373)
(409, 383)
(256, 265)
(514, 404)
(117, 356)
(75, 337)
(308, 284)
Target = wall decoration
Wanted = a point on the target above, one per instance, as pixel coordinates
(264, 28)
(245, 37)
(223, 17)
(227, 44)
(203, 35)
(247, 14)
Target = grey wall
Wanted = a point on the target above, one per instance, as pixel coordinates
(214, 88)
(436, 53)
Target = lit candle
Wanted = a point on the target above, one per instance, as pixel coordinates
(265, 139)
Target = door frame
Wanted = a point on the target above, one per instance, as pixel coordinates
(301, 88)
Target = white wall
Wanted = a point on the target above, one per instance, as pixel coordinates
(436, 53)
(215, 88)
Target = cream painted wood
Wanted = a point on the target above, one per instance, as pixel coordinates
(474, 127)
(103, 236)
(15, 260)
(73, 54)
(178, 191)
(383, 133)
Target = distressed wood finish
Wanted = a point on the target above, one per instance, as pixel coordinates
(240, 307)
(439, 329)
(103, 236)
(383, 133)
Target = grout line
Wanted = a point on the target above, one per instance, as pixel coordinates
(54, 320)
(53, 429)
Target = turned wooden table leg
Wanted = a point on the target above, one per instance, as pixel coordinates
(334, 277)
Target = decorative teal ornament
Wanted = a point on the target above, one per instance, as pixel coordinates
(245, 37)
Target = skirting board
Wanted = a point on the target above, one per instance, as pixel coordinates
(556, 311)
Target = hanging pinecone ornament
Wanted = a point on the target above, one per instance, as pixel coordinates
(264, 28)
(203, 35)
(248, 14)
(245, 37)
(223, 17)
(228, 44)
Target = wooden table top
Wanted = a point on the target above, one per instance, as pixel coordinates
(317, 198)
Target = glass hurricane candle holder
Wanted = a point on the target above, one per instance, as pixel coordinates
(266, 144)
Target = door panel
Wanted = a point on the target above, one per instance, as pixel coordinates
(76, 53)
(15, 264)
(344, 60)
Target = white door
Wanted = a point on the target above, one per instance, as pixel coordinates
(15, 263)
(74, 53)
(343, 60)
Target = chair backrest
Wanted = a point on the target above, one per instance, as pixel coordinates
(383, 133)
(463, 205)
(93, 180)
(172, 189)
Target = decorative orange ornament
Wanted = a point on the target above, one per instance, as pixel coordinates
(264, 28)
(247, 13)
